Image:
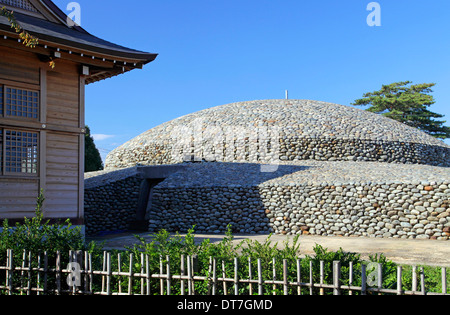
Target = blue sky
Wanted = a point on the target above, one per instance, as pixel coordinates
(215, 52)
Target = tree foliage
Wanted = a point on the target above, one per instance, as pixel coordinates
(92, 159)
(407, 104)
(27, 38)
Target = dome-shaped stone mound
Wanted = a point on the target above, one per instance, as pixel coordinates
(268, 131)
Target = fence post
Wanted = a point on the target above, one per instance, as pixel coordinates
(109, 273)
(224, 283)
(336, 278)
(10, 270)
(29, 273)
(24, 258)
(169, 277)
(260, 279)
(189, 271)
(45, 272)
(119, 269)
(285, 277)
(91, 274)
(75, 257)
(38, 283)
(422, 281)
(58, 273)
(86, 272)
(380, 278)
(72, 259)
(148, 274)
(321, 290)
(194, 266)
(274, 276)
(250, 287)
(214, 268)
(444, 280)
(350, 277)
(142, 273)
(299, 277)
(236, 277)
(182, 274)
(210, 276)
(399, 280)
(161, 280)
(130, 275)
(103, 271)
(414, 279)
(363, 279)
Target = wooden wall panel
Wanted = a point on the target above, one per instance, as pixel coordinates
(20, 66)
(18, 195)
(18, 198)
(62, 149)
(63, 95)
(61, 121)
(62, 176)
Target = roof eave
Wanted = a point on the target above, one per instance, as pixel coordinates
(134, 57)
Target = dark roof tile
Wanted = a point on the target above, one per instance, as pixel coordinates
(75, 37)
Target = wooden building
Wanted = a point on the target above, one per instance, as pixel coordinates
(42, 108)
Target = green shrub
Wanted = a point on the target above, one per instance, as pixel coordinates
(247, 252)
(272, 256)
(37, 235)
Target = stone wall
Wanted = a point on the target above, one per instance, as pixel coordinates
(391, 210)
(111, 200)
(326, 149)
(209, 209)
(289, 149)
(367, 199)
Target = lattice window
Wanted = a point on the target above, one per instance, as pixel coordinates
(21, 4)
(21, 152)
(21, 103)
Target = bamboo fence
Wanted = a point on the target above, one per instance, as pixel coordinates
(33, 275)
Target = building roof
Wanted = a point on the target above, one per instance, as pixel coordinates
(61, 34)
(43, 19)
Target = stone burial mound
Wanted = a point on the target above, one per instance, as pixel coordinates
(280, 166)
(297, 130)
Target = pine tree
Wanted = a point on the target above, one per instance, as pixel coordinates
(92, 159)
(408, 104)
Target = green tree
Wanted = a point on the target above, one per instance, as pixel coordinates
(408, 104)
(92, 159)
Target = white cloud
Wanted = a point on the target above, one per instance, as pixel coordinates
(101, 137)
